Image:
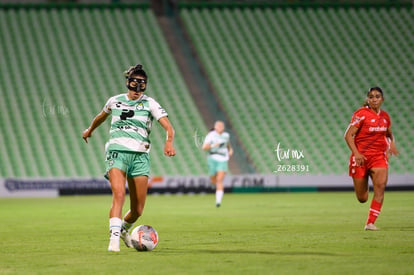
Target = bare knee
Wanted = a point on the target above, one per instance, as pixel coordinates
(118, 198)
(362, 199)
(117, 202)
(362, 195)
(117, 186)
(361, 189)
(379, 180)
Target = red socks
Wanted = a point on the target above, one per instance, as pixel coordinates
(374, 211)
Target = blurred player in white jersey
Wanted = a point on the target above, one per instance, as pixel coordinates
(127, 151)
(217, 144)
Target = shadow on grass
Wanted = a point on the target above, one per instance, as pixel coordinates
(397, 228)
(252, 252)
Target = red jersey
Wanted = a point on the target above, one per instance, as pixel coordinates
(371, 137)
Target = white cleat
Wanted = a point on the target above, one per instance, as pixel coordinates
(126, 238)
(113, 246)
(371, 227)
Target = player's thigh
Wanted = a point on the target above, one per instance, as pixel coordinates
(222, 166)
(220, 175)
(379, 177)
(211, 165)
(217, 168)
(117, 179)
(115, 159)
(357, 171)
(378, 167)
(138, 165)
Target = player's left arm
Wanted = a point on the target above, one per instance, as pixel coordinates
(230, 149)
(169, 146)
(393, 148)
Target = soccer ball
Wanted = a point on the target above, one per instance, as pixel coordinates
(144, 238)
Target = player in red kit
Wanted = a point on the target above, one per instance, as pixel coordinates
(370, 139)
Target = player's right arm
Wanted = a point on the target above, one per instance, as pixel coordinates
(208, 146)
(208, 143)
(350, 140)
(98, 120)
(393, 148)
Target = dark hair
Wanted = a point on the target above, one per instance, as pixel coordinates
(135, 70)
(375, 89)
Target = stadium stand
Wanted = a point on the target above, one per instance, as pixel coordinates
(60, 65)
(294, 75)
(289, 76)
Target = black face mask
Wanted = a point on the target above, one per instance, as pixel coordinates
(141, 84)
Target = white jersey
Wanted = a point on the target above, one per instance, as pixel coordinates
(131, 122)
(220, 153)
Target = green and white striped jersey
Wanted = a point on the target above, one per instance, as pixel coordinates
(131, 122)
(220, 153)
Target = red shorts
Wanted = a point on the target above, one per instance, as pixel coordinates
(374, 161)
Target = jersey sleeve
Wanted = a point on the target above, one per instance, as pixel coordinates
(387, 117)
(107, 107)
(208, 139)
(357, 119)
(156, 110)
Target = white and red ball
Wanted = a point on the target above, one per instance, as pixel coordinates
(144, 238)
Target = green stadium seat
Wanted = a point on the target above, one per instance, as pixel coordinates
(73, 59)
(314, 67)
(288, 75)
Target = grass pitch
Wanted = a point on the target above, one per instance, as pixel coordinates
(276, 233)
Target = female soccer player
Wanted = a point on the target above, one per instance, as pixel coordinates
(127, 151)
(217, 143)
(370, 139)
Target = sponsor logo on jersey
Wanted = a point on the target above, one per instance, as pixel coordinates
(377, 129)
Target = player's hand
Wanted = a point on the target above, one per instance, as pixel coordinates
(86, 134)
(169, 150)
(359, 159)
(393, 149)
